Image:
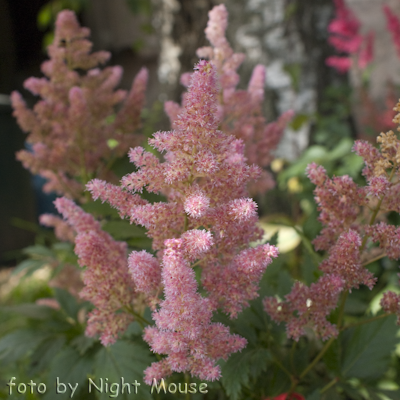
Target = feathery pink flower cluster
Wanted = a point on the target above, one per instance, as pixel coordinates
(345, 38)
(239, 111)
(207, 221)
(108, 284)
(354, 220)
(71, 126)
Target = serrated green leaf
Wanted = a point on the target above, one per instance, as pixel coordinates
(44, 354)
(69, 367)
(123, 359)
(83, 343)
(67, 302)
(19, 343)
(367, 348)
(251, 361)
(332, 357)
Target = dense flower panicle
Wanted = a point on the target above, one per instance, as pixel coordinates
(239, 112)
(115, 196)
(393, 26)
(390, 303)
(339, 200)
(62, 230)
(233, 285)
(184, 330)
(308, 307)
(145, 270)
(388, 237)
(107, 282)
(345, 38)
(347, 230)
(70, 128)
(204, 178)
(344, 261)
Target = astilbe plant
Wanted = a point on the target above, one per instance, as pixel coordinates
(206, 222)
(239, 111)
(354, 220)
(75, 133)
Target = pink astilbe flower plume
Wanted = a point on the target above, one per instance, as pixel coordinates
(353, 219)
(239, 112)
(107, 282)
(184, 330)
(204, 178)
(74, 129)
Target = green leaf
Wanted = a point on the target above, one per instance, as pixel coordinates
(44, 354)
(240, 367)
(351, 392)
(123, 359)
(298, 121)
(44, 17)
(68, 367)
(392, 394)
(343, 148)
(332, 357)
(367, 348)
(19, 343)
(30, 310)
(83, 343)
(124, 230)
(98, 208)
(39, 250)
(29, 266)
(67, 302)
(315, 395)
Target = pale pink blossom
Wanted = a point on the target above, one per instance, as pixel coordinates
(197, 196)
(107, 282)
(71, 125)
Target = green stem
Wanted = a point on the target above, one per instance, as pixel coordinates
(365, 321)
(187, 381)
(374, 259)
(139, 318)
(333, 382)
(282, 367)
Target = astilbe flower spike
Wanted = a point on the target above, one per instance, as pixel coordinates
(206, 221)
(71, 126)
(354, 222)
(108, 284)
(345, 38)
(239, 111)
